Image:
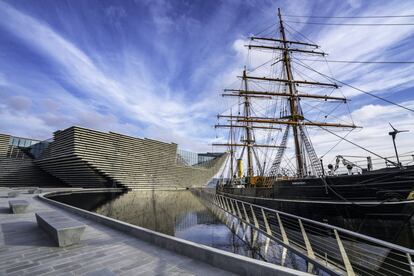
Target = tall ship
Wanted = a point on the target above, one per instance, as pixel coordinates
(272, 161)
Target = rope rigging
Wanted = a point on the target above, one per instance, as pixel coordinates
(367, 16)
(355, 144)
(353, 87)
(351, 24)
(358, 62)
(265, 106)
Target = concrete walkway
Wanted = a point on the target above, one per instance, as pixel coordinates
(26, 250)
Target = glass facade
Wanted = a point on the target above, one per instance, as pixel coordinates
(35, 147)
(188, 158)
(205, 157)
(22, 142)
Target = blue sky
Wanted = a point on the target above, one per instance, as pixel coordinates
(155, 68)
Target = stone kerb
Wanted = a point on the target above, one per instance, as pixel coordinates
(238, 264)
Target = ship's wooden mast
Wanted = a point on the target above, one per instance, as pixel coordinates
(248, 139)
(231, 149)
(293, 100)
(295, 119)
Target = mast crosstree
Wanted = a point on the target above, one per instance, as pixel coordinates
(293, 118)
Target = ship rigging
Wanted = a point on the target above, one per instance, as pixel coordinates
(275, 115)
(292, 118)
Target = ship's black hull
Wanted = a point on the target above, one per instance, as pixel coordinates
(374, 203)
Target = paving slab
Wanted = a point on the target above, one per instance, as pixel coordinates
(18, 206)
(13, 194)
(27, 250)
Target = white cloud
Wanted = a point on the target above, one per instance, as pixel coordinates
(357, 43)
(139, 98)
(136, 102)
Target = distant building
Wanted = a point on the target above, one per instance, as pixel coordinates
(80, 157)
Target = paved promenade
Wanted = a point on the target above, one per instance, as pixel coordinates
(26, 250)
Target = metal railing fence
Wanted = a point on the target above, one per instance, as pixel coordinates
(331, 249)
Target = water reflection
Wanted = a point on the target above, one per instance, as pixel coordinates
(176, 213)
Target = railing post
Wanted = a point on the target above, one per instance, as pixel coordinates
(238, 211)
(410, 263)
(220, 200)
(347, 263)
(239, 216)
(285, 239)
(215, 200)
(247, 219)
(266, 223)
(227, 209)
(245, 213)
(223, 203)
(233, 211)
(227, 204)
(268, 230)
(315, 255)
(309, 249)
(256, 224)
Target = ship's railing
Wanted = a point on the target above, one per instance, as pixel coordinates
(325, 247)
(377, 163)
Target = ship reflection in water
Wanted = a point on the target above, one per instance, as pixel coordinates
(175, 213)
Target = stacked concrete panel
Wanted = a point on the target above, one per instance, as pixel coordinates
(88, 158)
(18, 170)
(24, 173)
(60, 160)
(4, 144)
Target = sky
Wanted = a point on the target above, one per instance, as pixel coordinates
(155, 68)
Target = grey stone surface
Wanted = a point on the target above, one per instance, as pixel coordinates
(94, 164)
(64, 230)
(27, 250)
(34, 190)
(238, 264)
(13, 194)
(18, 206)
(100, 272)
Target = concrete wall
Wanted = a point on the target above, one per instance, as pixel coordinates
(18, 170)
(23, 173)
(238, 264)
(88, 158)
(4, 144)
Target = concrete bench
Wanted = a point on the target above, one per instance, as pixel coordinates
(34, 191)
(13, 193)
(18, 206)
(64, 230)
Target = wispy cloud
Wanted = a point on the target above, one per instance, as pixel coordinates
(155, 68)
(141, 99)
(352, 43)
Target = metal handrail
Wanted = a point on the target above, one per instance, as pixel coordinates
(348, 251)
(369, 238)
(256, 226)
